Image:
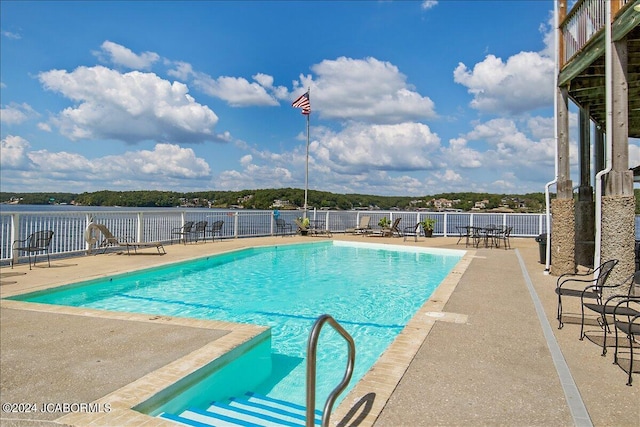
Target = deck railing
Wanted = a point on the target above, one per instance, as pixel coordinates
(157, 225)
(585, 19)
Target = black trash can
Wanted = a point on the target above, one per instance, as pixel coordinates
(542, 246)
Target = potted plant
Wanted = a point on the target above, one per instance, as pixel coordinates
(384, 222)
(303, 225)
(427, 226)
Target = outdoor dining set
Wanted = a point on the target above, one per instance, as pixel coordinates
(490, 236)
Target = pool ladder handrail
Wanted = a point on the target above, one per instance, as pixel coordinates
(312, 346)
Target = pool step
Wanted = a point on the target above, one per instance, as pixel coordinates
(250, 410)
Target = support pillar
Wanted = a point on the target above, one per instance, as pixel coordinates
(585, 207)
(562, 242)
(618, 202)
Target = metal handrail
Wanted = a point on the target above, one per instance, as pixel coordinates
(311, 370)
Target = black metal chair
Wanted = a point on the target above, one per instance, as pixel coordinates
(184, 232)
(598, 278)
(464, 232)
(606, 309)
(200, 228)
(216, 228)
(413, 230)
(282, 228)
(629, 325)
(40, 241)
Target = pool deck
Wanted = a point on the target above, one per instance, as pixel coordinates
(475, 354)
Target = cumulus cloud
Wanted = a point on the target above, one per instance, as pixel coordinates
(15, 113)
(119, 55)
(129, 107)
(357, 147)
(463, 156)
(367, 90)
(523, 83)
(236, 91)
(510, 148)
(163, 166)
(13, 151)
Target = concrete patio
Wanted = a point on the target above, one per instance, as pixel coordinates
(476, 354)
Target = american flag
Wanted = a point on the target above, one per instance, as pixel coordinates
(304, 103)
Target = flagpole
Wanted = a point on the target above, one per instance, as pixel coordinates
(306, 175)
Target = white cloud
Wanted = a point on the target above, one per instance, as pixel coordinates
(166, 166)
(429, 4)
(130, 107)
(16, 113)
(237, 91)
(524, 83)
(358, 147)
(120, 55)
(11, 35)
(13, 151)
(366, 90)
(462, 156)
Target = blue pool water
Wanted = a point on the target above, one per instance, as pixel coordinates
(371, 290)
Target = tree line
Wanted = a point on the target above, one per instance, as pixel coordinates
(288, 198)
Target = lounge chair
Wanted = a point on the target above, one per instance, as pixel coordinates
(302, 229)
(606, 309)
(363, 227)
(184, 231)
(108, 239)
(40, 241)
(394, 230)
(283, 228)
(598, 279)
(216, 227)
(390, 231)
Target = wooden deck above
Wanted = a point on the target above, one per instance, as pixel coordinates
(584, 72)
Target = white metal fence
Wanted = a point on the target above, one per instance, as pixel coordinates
(158, 225)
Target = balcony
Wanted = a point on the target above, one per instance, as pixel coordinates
(582, 55)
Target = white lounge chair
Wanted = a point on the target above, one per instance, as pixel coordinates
(108, 239)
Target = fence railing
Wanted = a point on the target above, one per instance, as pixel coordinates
(582, 22)
(158, 225)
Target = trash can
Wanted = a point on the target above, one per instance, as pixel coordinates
(542, 246)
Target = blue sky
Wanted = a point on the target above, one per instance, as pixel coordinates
(407, 97)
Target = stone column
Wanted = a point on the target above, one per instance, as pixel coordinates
(618, 202)
(563, 210)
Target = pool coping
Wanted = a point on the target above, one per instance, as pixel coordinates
(382, 378)
(121, 401)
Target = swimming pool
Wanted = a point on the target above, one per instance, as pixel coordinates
(372, 290)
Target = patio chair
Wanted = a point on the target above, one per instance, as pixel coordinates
(413, 230)
(464, 232)
(108, 239)
(282, 227)
(216, 228)
(199, 228)
(598, 279)
(502, 235)
(40, 241)
(363, 227)
(302, 229)
(318, 228)
(394, 230)
(606, 309)
(629, 325)
(184, 231)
